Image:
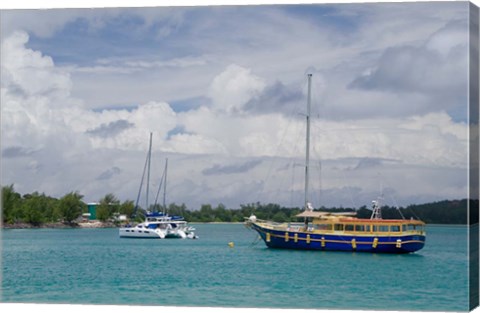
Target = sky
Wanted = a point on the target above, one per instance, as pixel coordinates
(223, 89)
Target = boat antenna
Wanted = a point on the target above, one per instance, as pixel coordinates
(307, 154)
(148, 171)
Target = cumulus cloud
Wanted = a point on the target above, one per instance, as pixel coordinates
(426, 69)
(55, 134)
(28, 72)
(234, 87)
(426, 139)
(274, 98)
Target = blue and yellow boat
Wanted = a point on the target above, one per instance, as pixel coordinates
(340, 231)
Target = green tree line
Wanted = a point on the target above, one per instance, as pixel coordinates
(37, 209)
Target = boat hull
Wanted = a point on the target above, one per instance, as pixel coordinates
(134, 232)
(299, 240)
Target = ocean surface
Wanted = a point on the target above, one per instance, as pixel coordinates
(95, 266)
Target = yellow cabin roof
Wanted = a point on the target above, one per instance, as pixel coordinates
(318, 214)
(348, 217)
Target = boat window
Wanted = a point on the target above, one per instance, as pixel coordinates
(418, 227)
(325, 226)
(413, 227)
(380, 228)
(395, 228)
(338, 227)
(404, 227)
(349, 227)
(359, 227)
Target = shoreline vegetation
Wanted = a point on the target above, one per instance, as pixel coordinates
(87, 225)
(37, 210)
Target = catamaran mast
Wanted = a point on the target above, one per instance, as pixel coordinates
(165, 188)
(307, 154)
(148, 169)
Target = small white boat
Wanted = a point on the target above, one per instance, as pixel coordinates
(157, 225)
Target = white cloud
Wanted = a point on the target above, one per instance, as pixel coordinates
(426, 69)
(253, 124)
(29, 72)
(232, 89)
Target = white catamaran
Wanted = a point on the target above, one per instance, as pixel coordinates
(157, 225)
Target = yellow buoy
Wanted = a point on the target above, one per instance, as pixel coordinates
(231, 244)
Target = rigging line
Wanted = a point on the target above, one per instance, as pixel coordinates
(349, 191)
(319, 189)
(290, 121)
(256, 241)
(411, 210)
(299, 134)
(292, 188)
(394, 200)
(396, 205)
(399, 211)
(291, 163)
(317, 155)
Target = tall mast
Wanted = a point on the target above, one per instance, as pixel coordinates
(165, 188)
(148, 169)
(307, 154)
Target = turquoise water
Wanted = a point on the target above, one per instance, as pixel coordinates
(94, 266)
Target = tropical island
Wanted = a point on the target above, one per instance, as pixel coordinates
(39, 210)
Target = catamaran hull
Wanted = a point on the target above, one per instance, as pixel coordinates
(133, 232)
(333, 242)
(176, 234)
